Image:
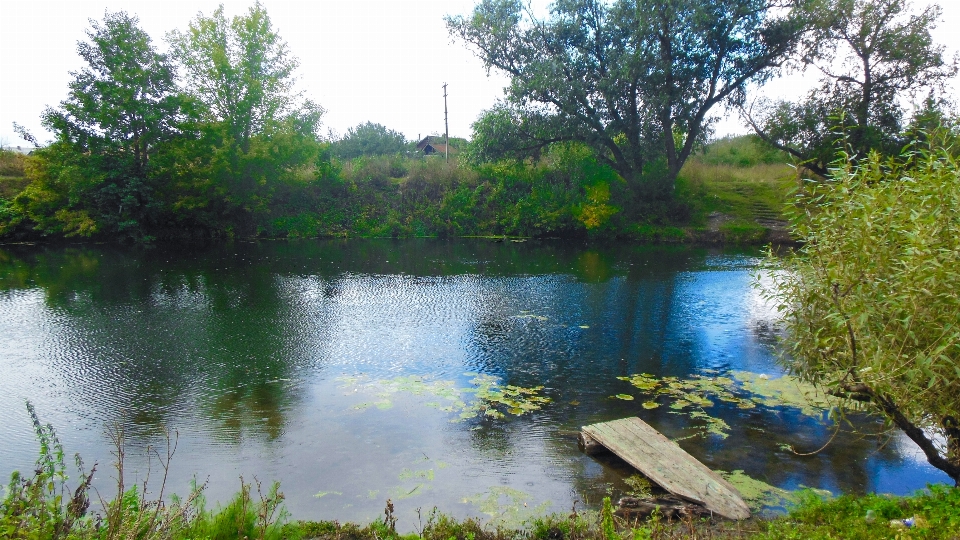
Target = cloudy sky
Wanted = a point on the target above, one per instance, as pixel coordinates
(379, 60)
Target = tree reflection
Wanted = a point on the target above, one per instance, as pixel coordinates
(230, 341)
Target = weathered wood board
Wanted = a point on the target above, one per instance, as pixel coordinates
(664, 462)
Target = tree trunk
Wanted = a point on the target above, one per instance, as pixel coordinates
(948, 463)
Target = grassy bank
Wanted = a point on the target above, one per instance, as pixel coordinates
(257, 514)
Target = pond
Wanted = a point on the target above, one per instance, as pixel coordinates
(356, 371)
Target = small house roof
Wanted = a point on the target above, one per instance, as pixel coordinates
(435, 144)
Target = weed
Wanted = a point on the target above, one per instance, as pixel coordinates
(42, 506)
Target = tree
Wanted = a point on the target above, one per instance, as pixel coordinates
(369, 139)
(253, 129)
(634, 79)
(240, 70)
(872, 54)
(120, 108)
(869, 301)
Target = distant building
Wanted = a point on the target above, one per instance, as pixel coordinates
(434, 145)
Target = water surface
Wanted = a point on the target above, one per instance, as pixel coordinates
(281, 361)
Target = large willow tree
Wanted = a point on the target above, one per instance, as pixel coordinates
(637, 80)
(870, 301)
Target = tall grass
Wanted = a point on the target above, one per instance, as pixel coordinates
(45, 505)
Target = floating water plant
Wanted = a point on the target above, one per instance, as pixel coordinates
(507, 507)
(761, 496)
(743, 389)
(485, 398)
(640, 486)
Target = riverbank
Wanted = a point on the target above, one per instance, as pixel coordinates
(731, 193)
(933, 514)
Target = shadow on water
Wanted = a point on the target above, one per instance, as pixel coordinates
(272, 358)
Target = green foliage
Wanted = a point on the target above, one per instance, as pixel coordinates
(633, 80)
(740, 151)
(873, 56)
(12, 163)
(640, 486)
(239, 70)
(743, 233)
(244, 517)
(42, 507)
(870, 299)
(369, 139)
(761, 496)
(233, 151)
(846, 516)
(607, 525)
(742, 181)
(254, 134)
(122, 107)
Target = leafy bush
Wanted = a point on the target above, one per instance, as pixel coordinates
(43, 506)
(369, 139)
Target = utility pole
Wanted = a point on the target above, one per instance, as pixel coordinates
(446, 126)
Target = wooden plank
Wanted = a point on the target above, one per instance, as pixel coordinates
(664, 462)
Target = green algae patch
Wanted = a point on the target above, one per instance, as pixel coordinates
(694, 396)
(507, 507)
(425, 474)
(486, 397)
(760, 495)
(786, 391)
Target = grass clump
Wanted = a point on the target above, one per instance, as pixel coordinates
(43, 506)
(936, 513)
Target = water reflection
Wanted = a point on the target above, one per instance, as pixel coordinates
(242, 349)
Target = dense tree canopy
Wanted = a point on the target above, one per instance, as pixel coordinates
(253, 127)
(239, 69)
(121, 107)
(872, 56)
(139, 156)
(637, 80)
(125, 100)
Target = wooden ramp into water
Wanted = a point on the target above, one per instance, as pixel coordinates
(665, 463)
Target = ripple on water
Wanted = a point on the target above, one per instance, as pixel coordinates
(243, 354)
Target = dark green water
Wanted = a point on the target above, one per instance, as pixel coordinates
(279, 360)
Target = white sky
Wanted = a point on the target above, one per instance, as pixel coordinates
(378, 60)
